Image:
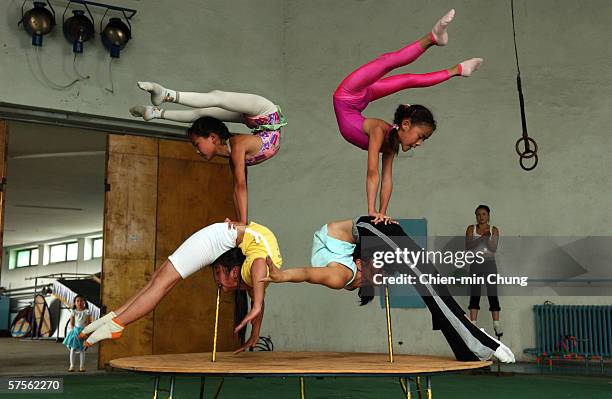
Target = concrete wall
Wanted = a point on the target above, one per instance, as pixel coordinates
(191, 45)
(469, 160)
(296, 53)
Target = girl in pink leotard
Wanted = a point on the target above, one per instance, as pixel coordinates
(412, 124)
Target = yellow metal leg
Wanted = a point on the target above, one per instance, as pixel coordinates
(214, 351)
(418, 387)
(156, 387)
(302, 389)
(405, 384)
(429, 393)
(389, 329)
(172, 383)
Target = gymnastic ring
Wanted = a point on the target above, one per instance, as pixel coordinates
(532, 154)
(527, 152)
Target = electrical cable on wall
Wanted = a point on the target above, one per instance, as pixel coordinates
(78, 29)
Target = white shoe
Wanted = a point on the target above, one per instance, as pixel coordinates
(503, 353)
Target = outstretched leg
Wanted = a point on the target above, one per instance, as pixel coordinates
(244, 103)
(379, 67)
(198, 251)
(144, 302)
(393, 84)
(248, 104)
(91, 327)
(446, 312)
(149, 112)
(147, 300)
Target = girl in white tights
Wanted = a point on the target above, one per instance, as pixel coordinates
(211, 137)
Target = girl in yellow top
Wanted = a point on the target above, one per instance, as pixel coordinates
(211, 245)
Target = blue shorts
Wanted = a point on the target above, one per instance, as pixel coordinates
(326, 249)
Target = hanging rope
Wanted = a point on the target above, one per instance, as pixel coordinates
(526, 142)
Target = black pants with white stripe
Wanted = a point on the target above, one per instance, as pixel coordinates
(465, 339)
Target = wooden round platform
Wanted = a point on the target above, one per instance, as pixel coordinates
(293, 363)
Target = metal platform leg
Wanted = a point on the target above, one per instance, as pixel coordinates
(172, 384)
(429, 393)
(202, 387)
(219, 388)
(302, 388)
(156, 387)
(405, 384)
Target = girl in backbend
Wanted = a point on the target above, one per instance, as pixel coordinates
(210, 136)
(342, 257)
(244, 266)
(412, 124)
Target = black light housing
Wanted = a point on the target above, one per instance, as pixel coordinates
(78, 29)
(115, 36)
(38, 21)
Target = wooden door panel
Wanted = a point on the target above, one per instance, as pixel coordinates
(192, 194)
(160, 193)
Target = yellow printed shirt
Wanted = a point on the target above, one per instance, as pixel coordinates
(258, 242)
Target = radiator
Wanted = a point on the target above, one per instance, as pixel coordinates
(579, 330)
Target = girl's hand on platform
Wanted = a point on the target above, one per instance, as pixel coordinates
(381, 217)
(252, 341)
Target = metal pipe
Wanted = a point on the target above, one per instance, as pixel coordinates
(202, 381)
(156, 387)
(214, 352)
(389, 329)
(219, 388)
(302, 388)
(172, 381)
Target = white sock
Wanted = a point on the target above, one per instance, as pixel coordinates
(91, 327)
(159, 94)
(110, 330)
(467, 67)
(497, 327)
(146, 112)
(503, 353)
(438, 32)
(72, 358)
(82, 360)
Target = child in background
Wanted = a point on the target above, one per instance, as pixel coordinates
(79, 318)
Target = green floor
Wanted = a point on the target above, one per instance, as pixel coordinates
(456, 386)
